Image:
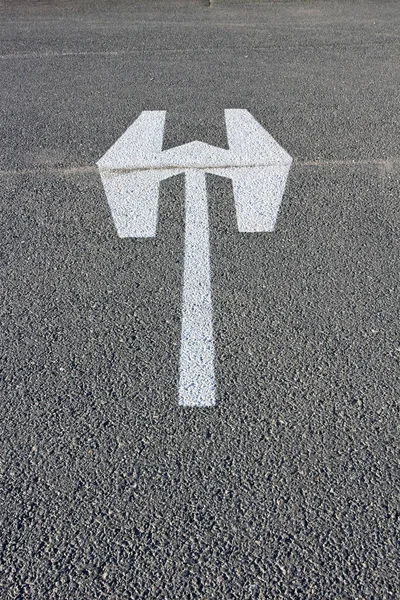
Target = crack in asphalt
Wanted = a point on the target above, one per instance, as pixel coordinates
(386, 163)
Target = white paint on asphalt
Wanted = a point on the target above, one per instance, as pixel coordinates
(131, 171)
(258, 193)
(196, 373)
(133, 194)
(133, 199)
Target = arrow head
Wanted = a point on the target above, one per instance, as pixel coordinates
(259, 184)
(132, 168)
(131, 188)
(139, 146)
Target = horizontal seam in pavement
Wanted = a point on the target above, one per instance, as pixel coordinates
(380, 162)
(123, 52)
(126, 170)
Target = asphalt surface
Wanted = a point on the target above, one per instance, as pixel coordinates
(289, 487)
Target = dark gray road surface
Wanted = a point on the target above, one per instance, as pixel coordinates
(289, 488)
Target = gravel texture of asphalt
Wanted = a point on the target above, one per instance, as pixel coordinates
(289, 487)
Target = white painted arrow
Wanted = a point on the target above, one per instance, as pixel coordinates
(131, 171)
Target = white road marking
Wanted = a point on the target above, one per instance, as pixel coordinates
(131, 171)
(133, 193)
(196, 374)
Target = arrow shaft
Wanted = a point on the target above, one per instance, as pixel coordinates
(196, 377)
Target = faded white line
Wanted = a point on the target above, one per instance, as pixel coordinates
(171, 51)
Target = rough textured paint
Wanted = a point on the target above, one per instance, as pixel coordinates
(131, 171)
(196, 374)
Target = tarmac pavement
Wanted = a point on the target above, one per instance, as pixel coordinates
(289, 487)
